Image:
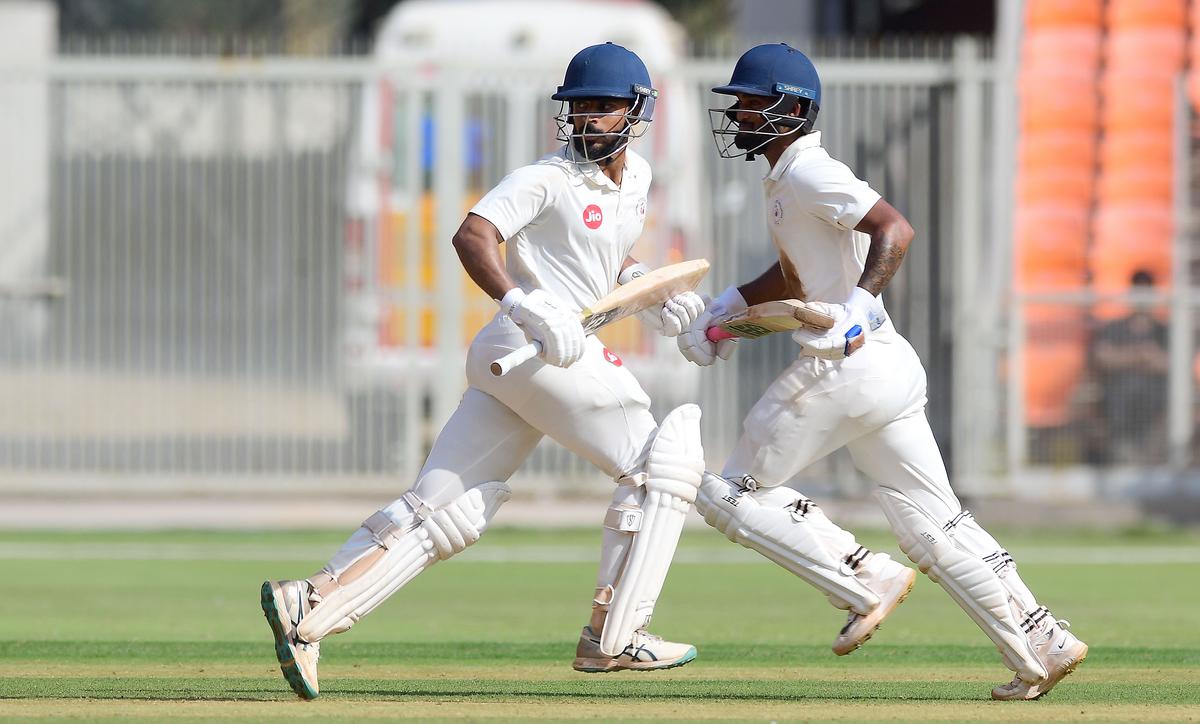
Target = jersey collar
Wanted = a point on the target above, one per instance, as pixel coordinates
(810, 140)
(591, 170)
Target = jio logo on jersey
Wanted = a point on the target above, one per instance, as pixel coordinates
(641, 209)
(777, 212)
(593, 217)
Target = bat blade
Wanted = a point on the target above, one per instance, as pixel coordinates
(644, 292)
(786, 315)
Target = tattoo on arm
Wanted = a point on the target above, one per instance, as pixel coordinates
(882, 262)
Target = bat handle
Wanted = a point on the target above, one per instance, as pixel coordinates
(505, 364)
(716, 334)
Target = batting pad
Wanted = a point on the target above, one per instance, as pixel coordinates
(673, 468)
(402, 554)
(969, 580)
(776, 523)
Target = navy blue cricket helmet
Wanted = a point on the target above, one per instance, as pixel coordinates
(774, 70)
(605, 71)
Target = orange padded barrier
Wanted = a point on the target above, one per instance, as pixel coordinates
(1135, 148)
(1057, 13)
(1146, 50)
(1144, 183)
(1060, 50)
(1050, 239)
(1065, 185)
(1052, 371)
(1049, 104)
(1143, 13)
(1040, 149)
(1137, 102)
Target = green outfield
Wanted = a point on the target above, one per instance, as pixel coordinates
(121, 625)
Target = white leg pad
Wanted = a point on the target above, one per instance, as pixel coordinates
(784, 526)
(672, 473)
(403, 552)
(971, 582)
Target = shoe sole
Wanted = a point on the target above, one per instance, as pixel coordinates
(283, 648)
(612, 665)
(1051, 683)
(912, 580)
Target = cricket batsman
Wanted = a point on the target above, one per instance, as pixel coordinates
(860, 385)
(570, 221)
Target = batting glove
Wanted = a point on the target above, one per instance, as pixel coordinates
(674, 315)
(862, 313)
(547, 319)
(694, 343)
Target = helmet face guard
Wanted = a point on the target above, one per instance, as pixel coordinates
(775, 121)
(778, 72)
(637, 119)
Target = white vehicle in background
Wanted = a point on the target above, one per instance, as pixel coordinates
(390, 204)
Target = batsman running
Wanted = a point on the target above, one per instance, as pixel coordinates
(859, 385)
(570, 221)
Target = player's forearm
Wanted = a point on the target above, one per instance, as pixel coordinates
(888, 246)
(479, 251)
(769, 286)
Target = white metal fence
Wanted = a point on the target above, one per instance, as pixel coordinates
(245, 270)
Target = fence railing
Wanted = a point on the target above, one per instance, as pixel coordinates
(244, 270)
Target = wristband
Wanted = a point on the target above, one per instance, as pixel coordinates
(511, 299)
(631, 272)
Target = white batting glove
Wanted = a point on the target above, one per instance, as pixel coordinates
(694, 343)
(861, 314)
(675, 315)
(547, 319)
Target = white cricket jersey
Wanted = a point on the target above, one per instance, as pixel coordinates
(567, 226)
(814, 202)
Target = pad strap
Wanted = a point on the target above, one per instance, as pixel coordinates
(673, 469)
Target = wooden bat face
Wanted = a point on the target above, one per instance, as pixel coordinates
(770, 317)
(644, 292)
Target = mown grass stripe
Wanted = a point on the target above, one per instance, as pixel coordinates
(154, 652)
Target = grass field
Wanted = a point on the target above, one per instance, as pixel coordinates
(121, 625)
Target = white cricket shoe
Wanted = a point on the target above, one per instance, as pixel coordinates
(646, 652)
(889, 580)
(285, 603)
(1057, 648)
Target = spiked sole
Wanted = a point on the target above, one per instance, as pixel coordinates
(879, 614)
(283, 647)
(1050, 683)
(591, 666)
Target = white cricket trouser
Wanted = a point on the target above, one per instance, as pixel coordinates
(595, 408)
(872, 402)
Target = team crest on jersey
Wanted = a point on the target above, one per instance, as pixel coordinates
(612, 358)
(777, 211)
(593, 217)
(641, 209)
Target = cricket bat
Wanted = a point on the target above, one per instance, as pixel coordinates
(785, 315)
(655, 287)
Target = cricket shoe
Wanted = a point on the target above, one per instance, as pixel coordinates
(285, 603)
(891, 582)
(1057, 648)
(646, 652)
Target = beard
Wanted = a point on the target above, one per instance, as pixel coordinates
(602, 146)
(749, 140)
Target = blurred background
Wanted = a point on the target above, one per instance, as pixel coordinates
(228, 296)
